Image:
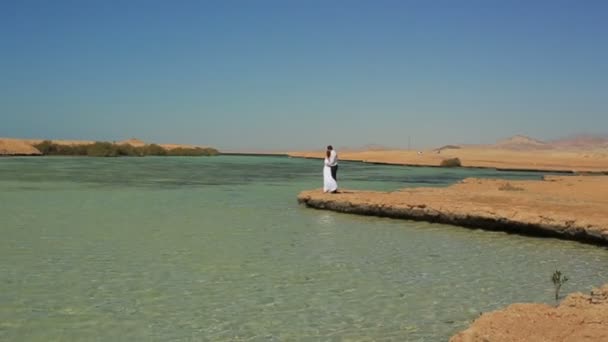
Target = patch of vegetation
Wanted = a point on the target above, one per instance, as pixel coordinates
(196, 151)
(508, 187)
(451, 162)
(107, 149)
(558, 281)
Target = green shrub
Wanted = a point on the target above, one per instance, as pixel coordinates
(451, 162)
(46, 147)
(558, 280)
(508, 187)
(107, 149)
(154, 150)
(196, 151)
(102, 149)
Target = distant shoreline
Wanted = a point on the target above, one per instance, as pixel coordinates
(594, 161)
(127, 148)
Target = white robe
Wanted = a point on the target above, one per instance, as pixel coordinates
(329, 184)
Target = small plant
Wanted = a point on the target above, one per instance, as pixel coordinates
(451, 162)
(558, 281)
(508, 187)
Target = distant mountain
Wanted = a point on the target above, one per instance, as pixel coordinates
(582, 141)
(522, 142)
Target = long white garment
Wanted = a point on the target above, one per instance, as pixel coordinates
(329, 184)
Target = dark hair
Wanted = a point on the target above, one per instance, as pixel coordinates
(327, 153)
(329, 147)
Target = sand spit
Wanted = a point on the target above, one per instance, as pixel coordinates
(578, 318)
(589, 160)
(568, 207)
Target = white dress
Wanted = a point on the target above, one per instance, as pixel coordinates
(329, 183)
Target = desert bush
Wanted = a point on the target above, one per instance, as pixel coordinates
(102, 149)
(451, 162)
(45, 147)
(153, 150)
(107, 149)
(508, 187)
(196, 151)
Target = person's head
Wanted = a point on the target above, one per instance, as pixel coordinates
(329, 147)
(327, 153)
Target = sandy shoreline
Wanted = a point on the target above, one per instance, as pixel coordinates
(569, 207)
(578, 318)
(583, 161)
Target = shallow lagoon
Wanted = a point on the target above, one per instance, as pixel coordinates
(218, 249)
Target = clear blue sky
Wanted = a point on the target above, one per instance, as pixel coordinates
(303, 74)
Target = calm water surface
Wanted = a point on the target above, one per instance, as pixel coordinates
(217, 249)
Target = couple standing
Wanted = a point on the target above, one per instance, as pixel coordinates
(330, 171)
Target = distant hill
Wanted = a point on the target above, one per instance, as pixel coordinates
(522, 142)
(582, 141)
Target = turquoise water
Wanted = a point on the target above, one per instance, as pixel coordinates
(217, 249)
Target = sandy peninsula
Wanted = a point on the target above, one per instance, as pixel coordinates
(569, 207)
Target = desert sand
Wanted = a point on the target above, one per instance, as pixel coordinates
(578, 318)
(17, 147)
(591, 160)
(12, 146)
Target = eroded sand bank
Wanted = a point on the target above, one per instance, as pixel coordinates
(578, 318)
(570, 207)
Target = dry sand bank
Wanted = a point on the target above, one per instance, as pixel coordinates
(578, 318)
(591, 160)
(17, 147)
(570, 207)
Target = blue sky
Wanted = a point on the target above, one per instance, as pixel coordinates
(303, 74)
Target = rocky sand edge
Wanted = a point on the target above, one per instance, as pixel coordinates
(567, 207)
(579, 317)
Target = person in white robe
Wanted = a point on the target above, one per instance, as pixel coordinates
(329, 183)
